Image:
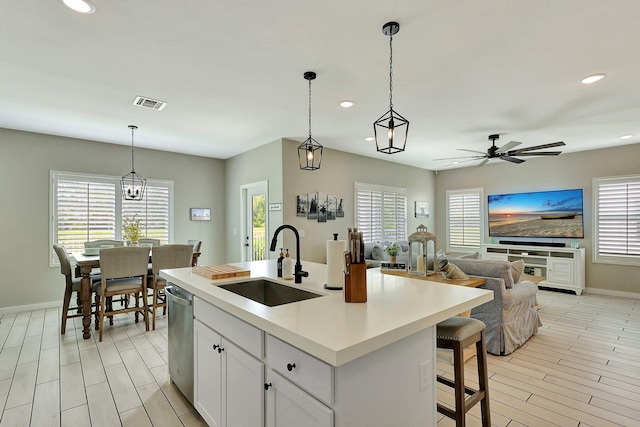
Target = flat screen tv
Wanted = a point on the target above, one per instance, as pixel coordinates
(553, 214)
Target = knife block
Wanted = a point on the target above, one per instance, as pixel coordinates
(355, 283)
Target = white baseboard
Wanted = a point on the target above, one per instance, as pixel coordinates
(611, 293)
(30, 307)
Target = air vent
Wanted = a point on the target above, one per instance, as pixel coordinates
(154, 104)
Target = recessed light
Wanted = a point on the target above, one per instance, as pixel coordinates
(592, 79)
(81, 6)
(369, 138)
(628, 136)
(347, 104)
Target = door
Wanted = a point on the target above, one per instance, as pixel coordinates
(208, 374)
(244, 388)
(254, 224)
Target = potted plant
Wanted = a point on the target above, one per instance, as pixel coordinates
(392, 250)
(132, 229)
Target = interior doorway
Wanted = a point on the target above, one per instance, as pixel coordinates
(255, 221)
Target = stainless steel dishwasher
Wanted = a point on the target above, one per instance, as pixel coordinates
(180, 338)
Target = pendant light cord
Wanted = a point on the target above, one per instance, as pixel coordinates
(391, 72)
(309, 108)
(132, 158)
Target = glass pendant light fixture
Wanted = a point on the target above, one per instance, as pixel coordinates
(391, 130)
(133, 185)
(310, 151)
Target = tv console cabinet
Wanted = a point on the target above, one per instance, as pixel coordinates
(562, 268)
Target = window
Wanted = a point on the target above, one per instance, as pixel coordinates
(464, 218)
(381, 212)
(90, 207)
(617, 220)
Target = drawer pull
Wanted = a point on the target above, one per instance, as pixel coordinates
(290, 366)
(267, 386)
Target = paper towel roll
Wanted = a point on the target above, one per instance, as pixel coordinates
(335, 263)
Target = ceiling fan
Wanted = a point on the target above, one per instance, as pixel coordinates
(505, 152)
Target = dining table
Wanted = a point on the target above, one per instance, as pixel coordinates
(85, 264)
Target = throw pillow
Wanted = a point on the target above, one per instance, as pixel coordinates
(516, 270)
(377, 253)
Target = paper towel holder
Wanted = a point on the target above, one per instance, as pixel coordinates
(326, 285)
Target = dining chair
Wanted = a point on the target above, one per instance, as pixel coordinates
(71, 285)
(145, 242)
(124, 272)
(103, 242)
(166, 256)
(196, 251)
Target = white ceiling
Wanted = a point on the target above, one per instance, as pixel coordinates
(232, 73)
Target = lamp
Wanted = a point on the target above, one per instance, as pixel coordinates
(393, 138)
(133, 185)
(422, 249)
(310, 151)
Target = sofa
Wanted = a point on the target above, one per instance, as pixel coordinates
(374, 253)
(512, 316)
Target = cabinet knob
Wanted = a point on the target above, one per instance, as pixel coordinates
(220, 349)
(266, 386)
(290, 366)
(215, 346)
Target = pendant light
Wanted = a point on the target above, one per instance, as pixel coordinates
(391, 129)
(310, 151)
(133, 185)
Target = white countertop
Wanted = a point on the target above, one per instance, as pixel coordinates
(327, 327)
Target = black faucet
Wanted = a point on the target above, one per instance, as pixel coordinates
(298, 274)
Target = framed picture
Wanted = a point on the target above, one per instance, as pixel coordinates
(200, 214)
(301, 205)
(312, 211)
(339, 207)
(422, 210)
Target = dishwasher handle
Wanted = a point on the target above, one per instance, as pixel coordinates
(176, 298)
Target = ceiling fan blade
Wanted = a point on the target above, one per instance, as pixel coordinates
(512, 159)
(471, 151)
(459, 163)
(508, 146)
(484, 162)
(536, 153)
(465, 157)
(540, 147)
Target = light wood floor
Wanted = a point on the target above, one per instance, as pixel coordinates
(582, 369)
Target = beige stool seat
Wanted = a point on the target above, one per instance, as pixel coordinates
(456, 334)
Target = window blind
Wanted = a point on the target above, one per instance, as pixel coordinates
(381, 212)
(90, 207)
(617, 221)
(464, 218)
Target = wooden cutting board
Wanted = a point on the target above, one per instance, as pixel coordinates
(220, 271)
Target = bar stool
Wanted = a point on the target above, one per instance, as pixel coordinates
(457, 334)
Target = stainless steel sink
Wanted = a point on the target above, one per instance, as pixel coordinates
(269, 293)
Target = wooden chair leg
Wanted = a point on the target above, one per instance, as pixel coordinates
(103, 306)
(145, 311)
(97, 312)
(154, 303)
(65, 310)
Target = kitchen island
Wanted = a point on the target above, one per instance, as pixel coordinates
(320, 361)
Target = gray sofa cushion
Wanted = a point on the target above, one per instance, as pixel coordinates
(486, 268)
(377, 253)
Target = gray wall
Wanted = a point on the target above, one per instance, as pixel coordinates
(570, 170)
(25, 161)
(260, 164)
(338, 173)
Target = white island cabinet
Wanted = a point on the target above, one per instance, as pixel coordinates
(319, 362)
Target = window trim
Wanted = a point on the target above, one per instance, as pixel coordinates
(631, 260)
(55, 175)
(481, 215)
(381, 188)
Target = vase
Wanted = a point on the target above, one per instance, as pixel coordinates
(392, 258)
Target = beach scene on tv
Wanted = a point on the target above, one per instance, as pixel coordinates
(536, 214)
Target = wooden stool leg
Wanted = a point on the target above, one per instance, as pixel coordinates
(458, 369)
(483, 380)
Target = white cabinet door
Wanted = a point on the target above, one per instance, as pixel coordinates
(244, 387)
(290, 406)
(208, 374)
(560, 271)
(495, 257)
